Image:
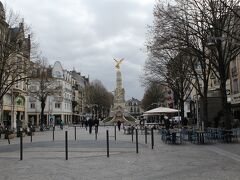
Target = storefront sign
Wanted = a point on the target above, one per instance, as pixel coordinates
(235, 98)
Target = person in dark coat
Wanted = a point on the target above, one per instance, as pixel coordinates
(83, 122)
(96, 124)
(185, 121)
(86, 124)
(90, 124)
(61, 124)
(167, 123)
(119, 125)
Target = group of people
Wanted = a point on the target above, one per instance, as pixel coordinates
(172, 123)
(89, 123)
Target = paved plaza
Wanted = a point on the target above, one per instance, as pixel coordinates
(44, 158)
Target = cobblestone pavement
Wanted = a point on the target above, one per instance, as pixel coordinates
(44, 158)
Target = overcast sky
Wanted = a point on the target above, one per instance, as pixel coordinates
(87, 34)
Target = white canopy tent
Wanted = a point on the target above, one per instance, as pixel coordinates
(160, 111)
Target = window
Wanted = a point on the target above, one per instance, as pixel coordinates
(235, 86)
(32, 99)
(57, 105)
(32, 105)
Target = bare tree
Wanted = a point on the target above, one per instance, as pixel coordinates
(207, 31)
(14, 54)
(153, 96)
(171, 72)
(98, 98)
(220, 25)
(43, 85)
(177, 30)
(225, 47)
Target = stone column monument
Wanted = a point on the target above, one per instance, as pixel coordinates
(119, 94)
(118, 112)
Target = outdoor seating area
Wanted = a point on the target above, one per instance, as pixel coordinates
(172, 136)
(196, 136)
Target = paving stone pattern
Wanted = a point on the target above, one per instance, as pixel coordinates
(44, 159)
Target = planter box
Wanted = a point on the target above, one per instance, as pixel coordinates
(10, 136)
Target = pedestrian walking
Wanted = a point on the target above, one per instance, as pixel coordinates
(167, 122)
(119, 125)
(90, 124)
(96, 124)
(61, 124)
(83, 121)
(86, 124)
(1, 130)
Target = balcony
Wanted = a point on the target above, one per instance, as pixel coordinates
(58, 99)
(234, 71)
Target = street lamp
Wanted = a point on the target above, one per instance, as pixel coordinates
(212, 77)
(14, 123)
(196, 111)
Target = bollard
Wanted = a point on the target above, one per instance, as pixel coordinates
(8, 136)
(115, 133)
(137, 141)
(146, 135)
(75, 132)
(31, 134)
(132, 132)
(66, 144)
(53, 132)
(96, 132)
(21, 145)
(152, 137)
(107, 144)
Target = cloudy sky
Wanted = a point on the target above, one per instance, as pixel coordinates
(87, 34)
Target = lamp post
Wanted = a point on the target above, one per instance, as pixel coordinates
(14, 94)
(27, 83)
(179, 114)
(196, 102)
(212, 77)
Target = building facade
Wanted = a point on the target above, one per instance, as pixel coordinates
(235, 88)
(14, 103)
(133, 106)
(79, 96)
(58, 105)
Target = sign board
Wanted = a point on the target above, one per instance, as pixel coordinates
(51, 120)
(235, 98)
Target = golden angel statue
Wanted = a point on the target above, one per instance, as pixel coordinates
(118, 62)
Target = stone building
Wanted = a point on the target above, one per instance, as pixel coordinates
(14, 103)
(235, 86)
(59, 105)
(79, 96)
(133, 106)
